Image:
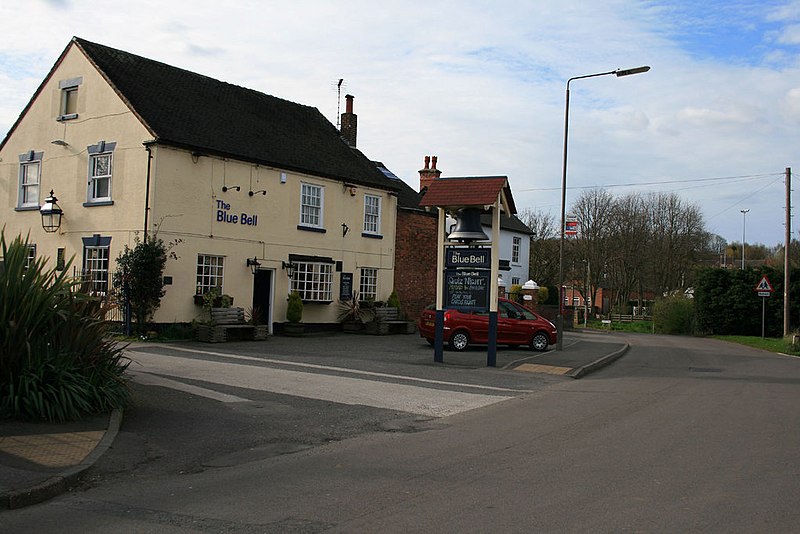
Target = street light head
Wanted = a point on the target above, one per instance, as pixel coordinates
(628, 72)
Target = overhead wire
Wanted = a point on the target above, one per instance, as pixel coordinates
(661, 182)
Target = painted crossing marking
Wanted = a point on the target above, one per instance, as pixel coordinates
(341, 389)
(346, 370)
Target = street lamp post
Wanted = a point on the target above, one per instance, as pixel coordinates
(560, 316)
(744, 224)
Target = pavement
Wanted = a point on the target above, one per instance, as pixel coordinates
(39, 461)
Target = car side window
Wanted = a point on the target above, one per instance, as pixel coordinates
(507, 311)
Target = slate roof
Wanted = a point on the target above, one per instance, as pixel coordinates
(512, 223)
(407, 197)
(188, 110)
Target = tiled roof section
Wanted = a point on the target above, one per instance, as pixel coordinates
(189, 110)
(469, 191)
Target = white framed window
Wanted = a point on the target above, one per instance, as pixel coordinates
(516, 245)
(368, 286)
(30, 172)
(100, 177)
(101, 162)
(515, 280)
(311, 204)
(95, 264)
(372, 214)
(313, 281)
(210, 270)
(31, 257)
(68, 108)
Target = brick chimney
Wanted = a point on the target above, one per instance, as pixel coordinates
(349, 122)
(429, 173)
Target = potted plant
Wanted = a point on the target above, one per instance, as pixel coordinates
(351, 314)
(294, 316)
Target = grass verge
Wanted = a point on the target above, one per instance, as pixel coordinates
(783, 345)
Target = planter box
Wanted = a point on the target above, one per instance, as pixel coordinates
(260, 332)
(293, 329)
(352, 327)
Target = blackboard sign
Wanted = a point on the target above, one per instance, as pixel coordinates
(466, 290)
(471, 258)
(345, 286)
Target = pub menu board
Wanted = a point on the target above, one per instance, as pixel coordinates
(346, 286)
(466, 290)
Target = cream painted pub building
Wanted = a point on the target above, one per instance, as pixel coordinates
(264, 194)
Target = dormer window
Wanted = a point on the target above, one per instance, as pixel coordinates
(69, 98)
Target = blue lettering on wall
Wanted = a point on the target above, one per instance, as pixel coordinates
(223, 215)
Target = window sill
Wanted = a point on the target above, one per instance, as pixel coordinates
(26, 208)
(62, 118)
(371, 236)
(311, 229)
(326, 302)
(98, 203)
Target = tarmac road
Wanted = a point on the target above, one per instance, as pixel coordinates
(198, 405)
(680, 435)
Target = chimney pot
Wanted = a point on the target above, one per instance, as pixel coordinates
(429, 173)
(349, 121)
(433, 162)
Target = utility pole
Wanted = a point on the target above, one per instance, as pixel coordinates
(744, 224)
(788, 237)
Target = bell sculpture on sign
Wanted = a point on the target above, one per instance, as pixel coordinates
(468, 226)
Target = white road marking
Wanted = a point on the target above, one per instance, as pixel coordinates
(349, 371)
(343, 390)
(148, 379)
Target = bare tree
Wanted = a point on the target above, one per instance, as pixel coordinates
(630, 238)
(678, 233)
(594, 209)
(543, 262)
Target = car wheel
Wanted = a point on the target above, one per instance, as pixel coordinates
(459, 340)
(539, 342)
(430, 341)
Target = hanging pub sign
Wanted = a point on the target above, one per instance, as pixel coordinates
(466, 290)
(469, 258)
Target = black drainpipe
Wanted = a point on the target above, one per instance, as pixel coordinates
(147, 190)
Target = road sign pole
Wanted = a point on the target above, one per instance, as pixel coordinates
(763, 314)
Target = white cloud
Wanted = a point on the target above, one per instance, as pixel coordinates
(479, 84)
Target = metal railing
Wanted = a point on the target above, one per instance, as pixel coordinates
(117, 312)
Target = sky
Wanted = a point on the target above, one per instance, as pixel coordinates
(482, 85)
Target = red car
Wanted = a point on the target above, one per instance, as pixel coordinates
(515, 326)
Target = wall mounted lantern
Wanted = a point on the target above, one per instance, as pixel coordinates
(51, 214)
(254, 264)
(289, 267)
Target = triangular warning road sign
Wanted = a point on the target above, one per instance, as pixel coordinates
(764, 285)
